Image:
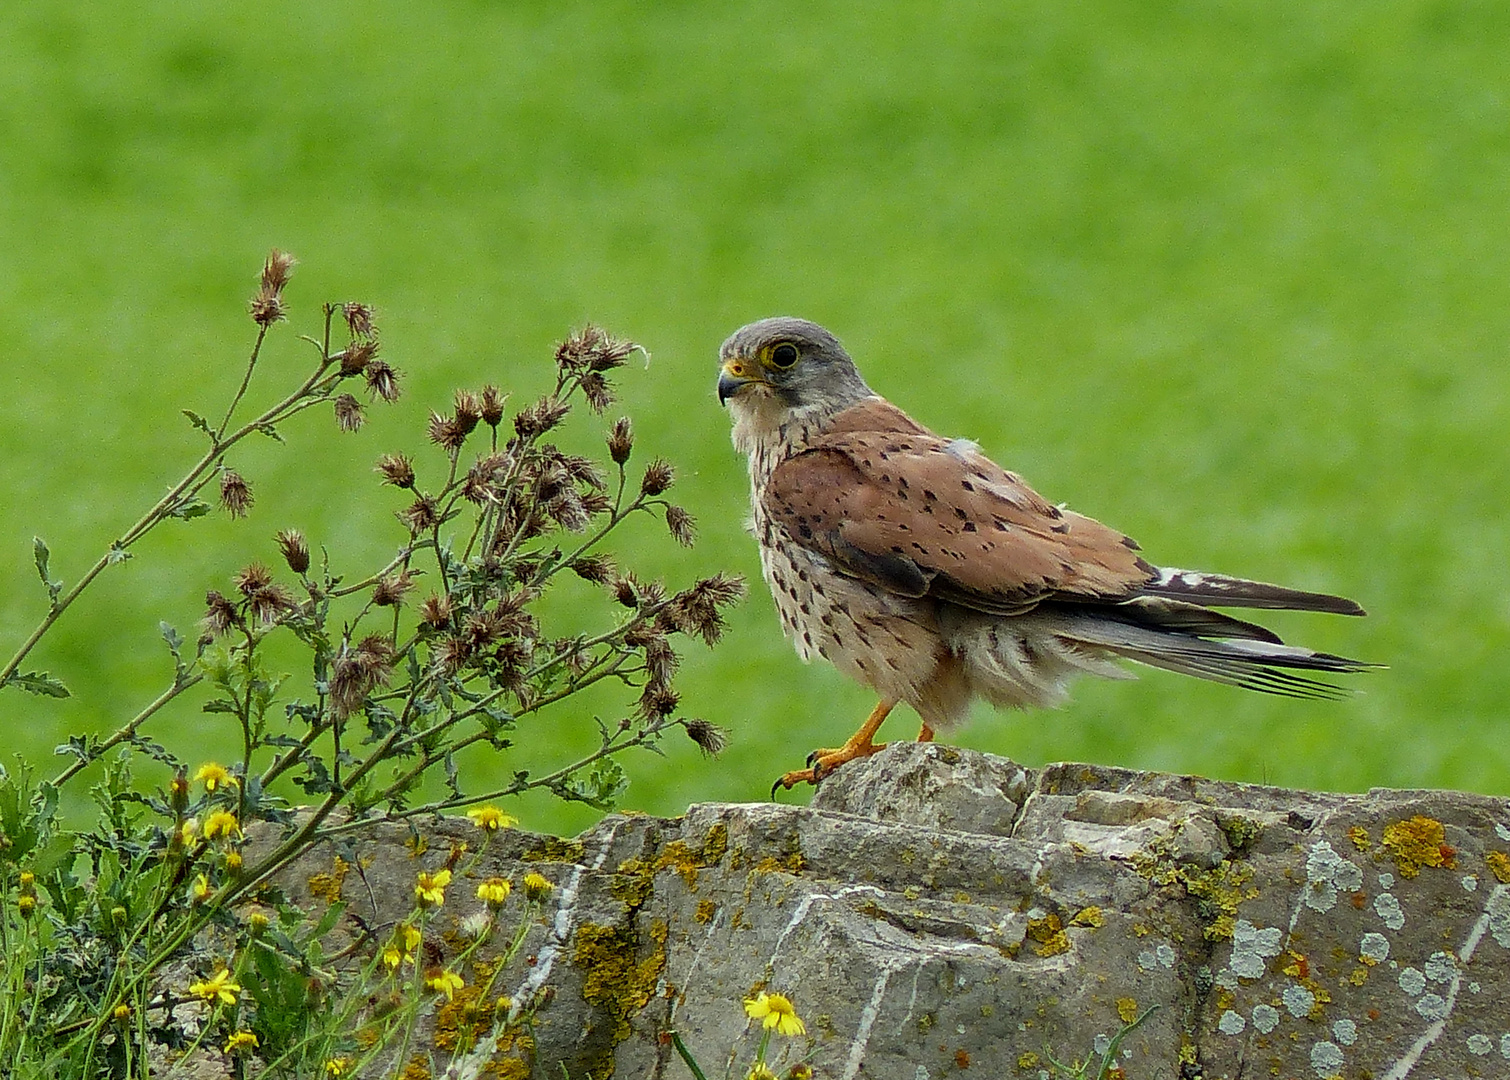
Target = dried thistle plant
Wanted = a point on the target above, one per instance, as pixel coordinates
(442, 647)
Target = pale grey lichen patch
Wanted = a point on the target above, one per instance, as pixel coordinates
(1327, 874)
(1505, 1046)
(1374, 947)
(1101, 1043)
(1252, 946)
(1326, 1058)
(1386, 881)
(1345, 1032)
(1440, 967)
(1412, 981)
(1470, 883)
(1498, 911)
(1388, 909)
(1298, 1000)
(1502, 831)
(1231, 1023)
(1266, 1019)
(1480, 1045)
(1474, 987)
(1161, 957)
(1432, 1007)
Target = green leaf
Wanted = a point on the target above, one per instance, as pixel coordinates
(43, 556)
(190, 509)
(199, 422)
(116, 554)
(270, 431)
(38, 682)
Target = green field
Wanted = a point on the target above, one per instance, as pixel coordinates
(1229, 276)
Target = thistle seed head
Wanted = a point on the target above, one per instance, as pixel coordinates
(683, 527)
(349, 414)
(468, 411)
(396, 469)
(391, 590)
(382, 380)
(492, 405)
(295, 550)
(710, 738)
(358, 319)
(356, 356)
(446, 432)
(235, 494)
(659, 477)
(620, 440)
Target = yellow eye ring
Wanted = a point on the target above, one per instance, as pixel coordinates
(784, 355)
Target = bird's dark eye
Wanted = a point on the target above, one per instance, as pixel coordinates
(784, 355)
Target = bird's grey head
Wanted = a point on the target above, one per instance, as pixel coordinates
(789, 365)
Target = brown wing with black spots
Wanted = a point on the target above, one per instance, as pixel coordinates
(889, 502)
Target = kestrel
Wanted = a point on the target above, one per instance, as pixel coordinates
(923, 570)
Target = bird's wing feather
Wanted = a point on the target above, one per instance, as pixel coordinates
(890, 502)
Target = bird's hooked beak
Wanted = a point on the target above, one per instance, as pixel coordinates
(735, 375)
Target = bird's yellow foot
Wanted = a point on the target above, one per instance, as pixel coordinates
(822, 763)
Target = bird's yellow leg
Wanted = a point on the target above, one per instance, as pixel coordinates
(858, 745)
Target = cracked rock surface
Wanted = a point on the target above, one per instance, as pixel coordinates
(938, 911)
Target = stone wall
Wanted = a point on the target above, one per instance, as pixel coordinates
(939, 912)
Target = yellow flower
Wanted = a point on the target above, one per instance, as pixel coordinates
(775, 1011)
(491, 819)
(336, 1067)
(430, 889)
(218, 989)
(233, 862)
(27, 906)
(121, 1013)
(401, 949)
(494, 891)
(801, 1072)
(221, 821)
(199, 892)
(537, 887)
(186, 831)
(241, 1040)
(214, 776)
(760, 1071)
(444, 982)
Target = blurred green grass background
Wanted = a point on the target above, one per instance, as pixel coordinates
(1229, 276)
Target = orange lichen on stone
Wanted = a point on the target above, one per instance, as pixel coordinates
(1359, 976)
(1499, 865)
(1091, 917)
(1050, 935)
(327, 887)
(705, 910)
(961, 1059)
(1298, 967)
(1127, 1009)
(1417, 842)
(1359, 836)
